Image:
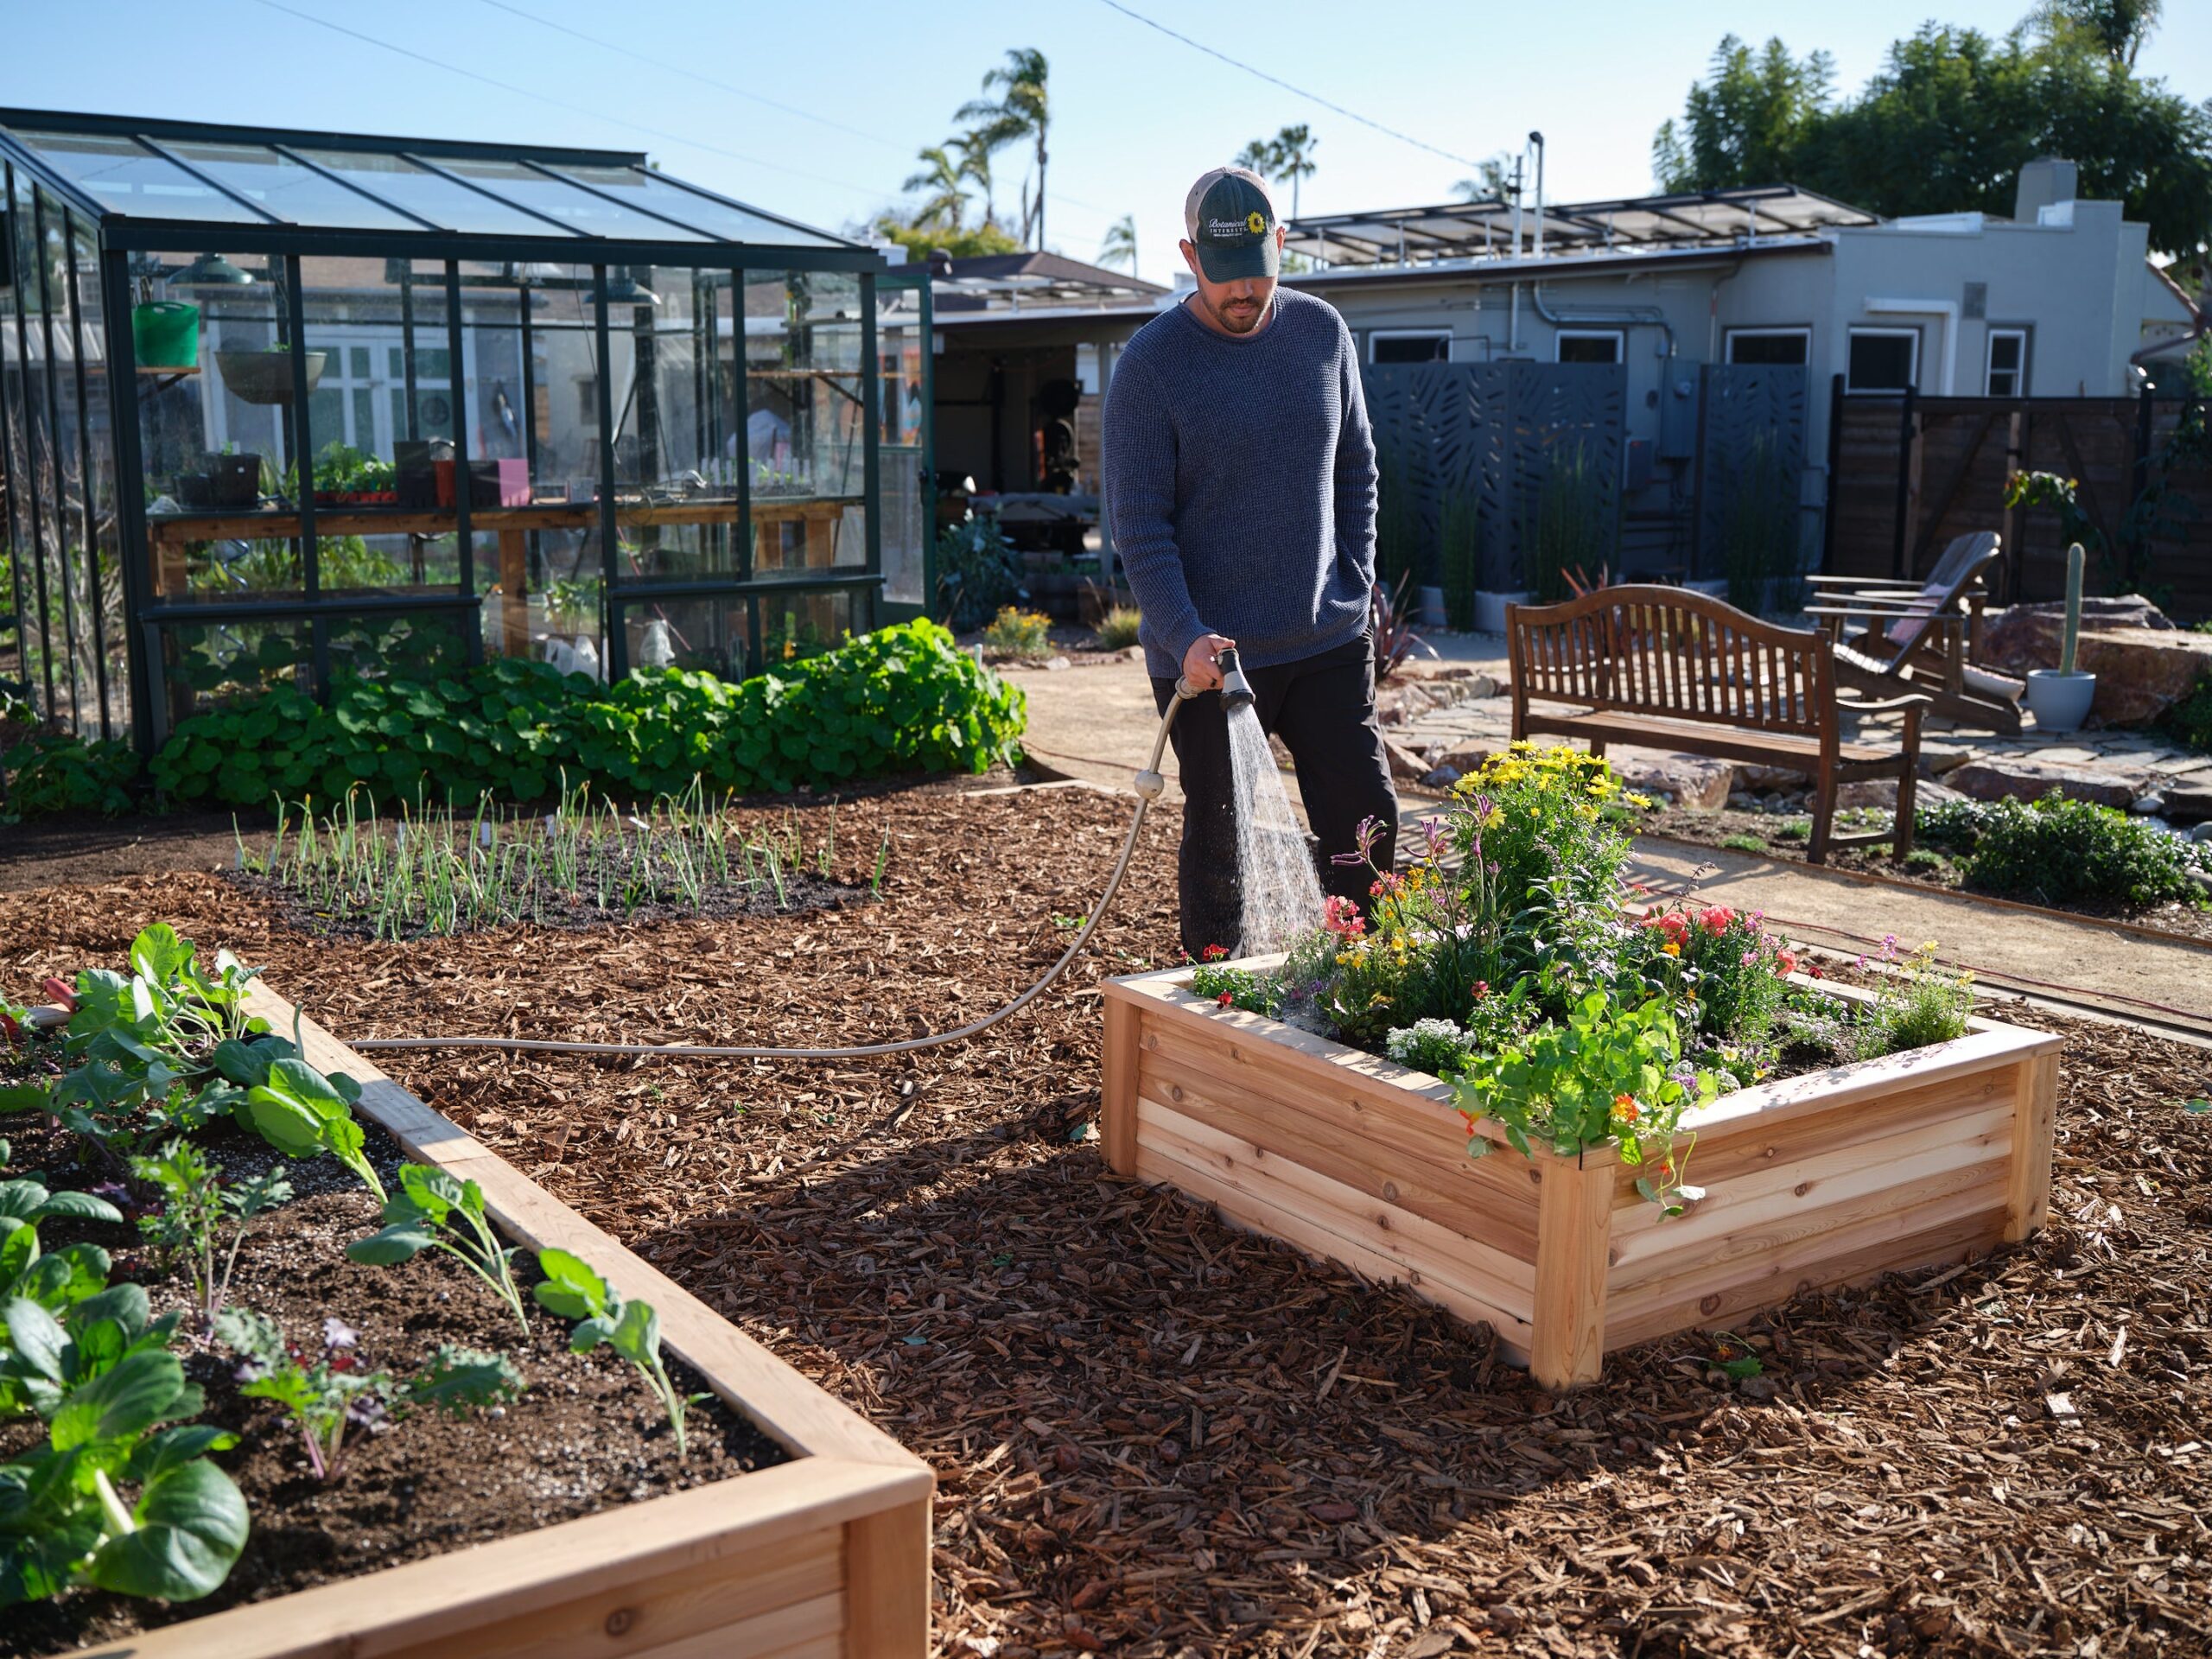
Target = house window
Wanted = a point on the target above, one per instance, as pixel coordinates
(1791, 347)
(2008, 362)
(1883, 360)
(1409, 345)
(1589, 346)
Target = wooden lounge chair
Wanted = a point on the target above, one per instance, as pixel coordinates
(1922, 636)
(1673, 670)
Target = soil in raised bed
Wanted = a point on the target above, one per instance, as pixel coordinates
(1716, 828)
(585, 1435)
(1156, 1436)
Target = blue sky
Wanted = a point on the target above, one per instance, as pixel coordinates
(1135, 115)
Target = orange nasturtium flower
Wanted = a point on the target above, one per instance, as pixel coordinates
(1624, 1105)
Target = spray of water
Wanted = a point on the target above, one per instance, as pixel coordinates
(1282, 897)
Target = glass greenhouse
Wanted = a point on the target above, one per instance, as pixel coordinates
(396, 406)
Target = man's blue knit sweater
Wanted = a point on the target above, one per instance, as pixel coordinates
(1240, 484)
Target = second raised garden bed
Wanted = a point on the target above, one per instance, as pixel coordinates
(1811, 1182)
(819, 1557)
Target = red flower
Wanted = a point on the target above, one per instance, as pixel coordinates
(1227, 999)
(1215, 952)
(1341, 916)
(1482, 989)
(63, 995)
(1813, 970)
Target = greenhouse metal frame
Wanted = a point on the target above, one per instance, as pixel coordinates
(400, 404)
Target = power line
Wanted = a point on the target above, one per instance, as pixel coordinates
(873, 192)
(562, 104)
(1273, 81)
(679, 69)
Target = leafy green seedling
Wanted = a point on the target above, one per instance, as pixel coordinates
(300, 1113)
(46, 1282)
(337, 1391)
(104, 1382)
(196, 1203)
(429, 1212)
(572, 1289)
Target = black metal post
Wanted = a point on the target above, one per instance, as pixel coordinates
(538, 572)
(91, 532)
(15, 564)
(293, 322)
(871, 462)
(463, 484)
(407, 347)
(1835, 459)
(54, 452)
(742, 436)
(616, 655)
(1904, 482)
(140, 647)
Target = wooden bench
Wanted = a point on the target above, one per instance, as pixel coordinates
(1673, 670)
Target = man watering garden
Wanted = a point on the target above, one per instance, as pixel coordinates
(1241, 486)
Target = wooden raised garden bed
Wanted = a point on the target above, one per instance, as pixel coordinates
(819, 1557)
(1811, 1182)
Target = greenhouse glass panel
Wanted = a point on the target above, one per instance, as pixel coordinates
(805, 421)
(285, 188)
(444, 203)
(213, 433)
(675, 447)
(580, 209)
(566, 575)
(703, 633)
(125, 177)
(105, 572)
(688, 207)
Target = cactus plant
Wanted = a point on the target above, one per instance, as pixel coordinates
(2077, 562)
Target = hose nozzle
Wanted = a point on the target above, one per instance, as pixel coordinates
(1236, 690)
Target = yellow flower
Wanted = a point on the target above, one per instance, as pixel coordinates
(1670, 949)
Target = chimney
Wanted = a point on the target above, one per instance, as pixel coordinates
(2044, 182)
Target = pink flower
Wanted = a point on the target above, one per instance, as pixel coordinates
(1341, 917)
(1785, 963)
(1716, 920)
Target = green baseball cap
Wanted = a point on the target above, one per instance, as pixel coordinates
(1230, 219)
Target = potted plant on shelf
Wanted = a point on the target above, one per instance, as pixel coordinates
(2060, 697)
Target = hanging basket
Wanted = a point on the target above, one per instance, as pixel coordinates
(265, 376)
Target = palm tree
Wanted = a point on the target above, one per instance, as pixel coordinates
(1293, 157)
(1493, 181)
(942, 176)
(974, 150)
(1259, 156)
(1120, 246)
(1021, 112)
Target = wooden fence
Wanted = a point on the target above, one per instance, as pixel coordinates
(1907, 473)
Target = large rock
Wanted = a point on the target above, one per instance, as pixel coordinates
(1882, 793)
(1992, 777)
(2143, 667)
(2188, 803)
(1693, 780)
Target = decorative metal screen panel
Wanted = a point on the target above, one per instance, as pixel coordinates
(1752, 440)
(1489, 434)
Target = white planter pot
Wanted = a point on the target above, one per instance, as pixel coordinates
(1490, 608)
(2060, 702)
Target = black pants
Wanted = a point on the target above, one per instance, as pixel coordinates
(1323, 708)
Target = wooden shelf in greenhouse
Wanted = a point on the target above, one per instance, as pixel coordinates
(826, 1554)
(1811, 1182)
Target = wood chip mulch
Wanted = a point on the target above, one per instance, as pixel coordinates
(1156, 1436)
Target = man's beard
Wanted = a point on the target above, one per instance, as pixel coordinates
(1242, 319)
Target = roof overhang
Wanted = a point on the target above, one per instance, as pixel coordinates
(1494, 229)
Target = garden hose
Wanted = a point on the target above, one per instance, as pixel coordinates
(1149, 785)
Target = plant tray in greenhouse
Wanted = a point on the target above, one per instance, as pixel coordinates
(1808, 1183)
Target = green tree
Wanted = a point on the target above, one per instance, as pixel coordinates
(1021, 111)
(1294, 148)
(1120, 246)
(1745, 122)
(1951, 118)
(978, 242)
(1493, 179)
(940, 178)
